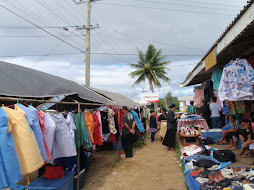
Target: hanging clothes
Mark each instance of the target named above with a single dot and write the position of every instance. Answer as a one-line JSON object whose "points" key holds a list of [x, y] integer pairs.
{"points": [[138, 122], [63, 144], [216, 77], [98, 113], [208, 91], [90, 124], [237, 81], [32, 118], [49, 133], [81, 134], [237, 107], [104, 120], [41, 117], [97, 135], [111, 121], [10, 172], [71, 125], [28, 151], [198, 96]]}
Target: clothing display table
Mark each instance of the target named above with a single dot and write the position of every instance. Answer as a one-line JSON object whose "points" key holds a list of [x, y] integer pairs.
{"points": [[201, 123]]}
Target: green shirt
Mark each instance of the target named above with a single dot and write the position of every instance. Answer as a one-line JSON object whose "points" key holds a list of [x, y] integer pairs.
{"points": [[190, 110], [81, 134]]}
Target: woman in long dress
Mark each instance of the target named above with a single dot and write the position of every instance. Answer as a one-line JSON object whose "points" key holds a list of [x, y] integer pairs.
{"points": [[162, 124], [170, 137]]}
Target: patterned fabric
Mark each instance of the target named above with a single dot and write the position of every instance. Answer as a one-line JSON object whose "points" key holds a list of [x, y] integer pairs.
{"points": [[138, 122], [225, 108], [237, 107], [237, 81], [97, 135], [111, 121], [189, 123]]}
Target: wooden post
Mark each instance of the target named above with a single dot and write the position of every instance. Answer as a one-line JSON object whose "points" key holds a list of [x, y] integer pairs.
{"points": [[78, 160], [28, 179]]}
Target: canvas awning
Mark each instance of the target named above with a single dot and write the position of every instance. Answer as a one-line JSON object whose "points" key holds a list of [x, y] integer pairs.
{"points": [[18, 81]]}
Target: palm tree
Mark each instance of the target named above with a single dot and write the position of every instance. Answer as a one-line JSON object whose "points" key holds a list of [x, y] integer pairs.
{"points": [[151, 66]]}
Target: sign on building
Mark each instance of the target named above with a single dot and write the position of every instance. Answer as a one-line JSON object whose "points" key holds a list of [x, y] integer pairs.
{"points": [[211, 59]]}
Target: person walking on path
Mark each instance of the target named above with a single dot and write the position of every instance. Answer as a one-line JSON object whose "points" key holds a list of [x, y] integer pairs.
{"points": [[162, 124], [191, 109], [215, 113], [205, 112], [170, 137], [128, 132], [153, 125]]}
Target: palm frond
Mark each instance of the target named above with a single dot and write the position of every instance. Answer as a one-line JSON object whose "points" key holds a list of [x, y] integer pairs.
{"points": [[137, 66], [140, 79], [155, 79], [137, 73]]}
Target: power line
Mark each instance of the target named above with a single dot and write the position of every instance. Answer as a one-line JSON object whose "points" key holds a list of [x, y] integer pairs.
{"points": [[153, 40], [33, 27], [184, 5], [94, 53], [35, 36], [32, 15], [207, 3], [166, 9], [40, 28]]}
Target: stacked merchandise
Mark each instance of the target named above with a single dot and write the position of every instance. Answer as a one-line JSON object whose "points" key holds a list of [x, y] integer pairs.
{"points": [[207, 168], [188, 130]]}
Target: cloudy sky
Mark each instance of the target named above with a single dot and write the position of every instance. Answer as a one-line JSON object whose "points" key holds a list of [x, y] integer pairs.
{"points": [[183, 29]]}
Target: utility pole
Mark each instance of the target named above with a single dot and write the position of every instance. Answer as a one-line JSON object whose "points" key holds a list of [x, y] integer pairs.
{"points": [[88, 28], [88, 32]]}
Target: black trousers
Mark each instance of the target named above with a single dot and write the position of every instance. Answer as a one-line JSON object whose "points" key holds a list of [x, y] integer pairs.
{"points": [[127, 141], [152, 136]]}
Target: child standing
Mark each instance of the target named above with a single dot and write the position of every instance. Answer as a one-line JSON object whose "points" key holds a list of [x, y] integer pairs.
{"points": [[153, 125]]}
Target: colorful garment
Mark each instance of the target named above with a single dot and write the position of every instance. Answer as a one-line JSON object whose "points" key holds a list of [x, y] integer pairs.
{"points": [[90, 124], [81, 134], [237, 107], [216, 77], [32, 118], [96, 135], [198, 96], [28, 151], [138, 122], [63, 144], [111, 121], [10, 172], [98, 113], [41, 117], [237, 81]]}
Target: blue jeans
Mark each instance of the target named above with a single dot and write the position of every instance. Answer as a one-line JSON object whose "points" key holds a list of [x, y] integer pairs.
{"points": [[216, 122]]}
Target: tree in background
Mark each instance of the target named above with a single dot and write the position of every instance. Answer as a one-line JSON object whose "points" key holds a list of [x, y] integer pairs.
{"points": [[168, 100], [150, 66]]}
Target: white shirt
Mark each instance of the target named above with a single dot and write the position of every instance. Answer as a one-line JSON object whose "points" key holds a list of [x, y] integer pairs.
{"points": [[50, 128], [237, 81], [215, 109], [63, 145], [71, 125]]}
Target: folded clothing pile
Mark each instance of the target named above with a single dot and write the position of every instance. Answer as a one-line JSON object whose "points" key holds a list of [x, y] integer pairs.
{"points": [[227, 177]]}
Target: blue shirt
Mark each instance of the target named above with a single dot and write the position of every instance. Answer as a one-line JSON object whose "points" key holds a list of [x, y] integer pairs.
{"points": [[33, 120], [10, 172]]}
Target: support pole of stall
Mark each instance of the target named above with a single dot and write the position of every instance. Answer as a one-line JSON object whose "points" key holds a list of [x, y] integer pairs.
{"points": [[27, 179], [78, 160]]}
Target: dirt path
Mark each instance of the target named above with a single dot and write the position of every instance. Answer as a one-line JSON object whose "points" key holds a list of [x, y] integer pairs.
{"points": [[152, 167]]}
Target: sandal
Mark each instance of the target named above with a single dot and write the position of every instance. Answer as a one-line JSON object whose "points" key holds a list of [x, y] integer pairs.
{"points": [[252, 163], [234, 148], [220, 143], [246, 156], [229, 146]]}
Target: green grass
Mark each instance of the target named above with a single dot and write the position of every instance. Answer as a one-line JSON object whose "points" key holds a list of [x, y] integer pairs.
{"points": [[178, 152]]}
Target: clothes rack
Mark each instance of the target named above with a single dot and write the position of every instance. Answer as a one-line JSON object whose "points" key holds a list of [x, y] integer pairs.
{"points": [[11, 99]]}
